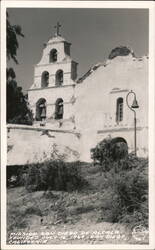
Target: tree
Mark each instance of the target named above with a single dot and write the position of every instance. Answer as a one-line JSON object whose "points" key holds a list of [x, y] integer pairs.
{"points": [[12, 43], [17, 104], [17, 108]]}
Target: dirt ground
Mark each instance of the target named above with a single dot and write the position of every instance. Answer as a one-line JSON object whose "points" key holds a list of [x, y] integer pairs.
{"points": [[62, 218]]}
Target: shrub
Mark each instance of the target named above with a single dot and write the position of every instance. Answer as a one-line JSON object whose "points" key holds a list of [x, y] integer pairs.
{"points": [[53, 175], [14, 175], [120, 51], [107, 152], [125, 196]]}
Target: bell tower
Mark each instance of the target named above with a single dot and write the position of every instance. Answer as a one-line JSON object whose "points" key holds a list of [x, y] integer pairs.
{"points": [[54, 78]]}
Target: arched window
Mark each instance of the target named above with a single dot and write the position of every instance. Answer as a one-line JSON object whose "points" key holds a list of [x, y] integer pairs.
{"points": [[59, 110], [53, 55], [119, 110], [44, 79], [59, 77], [41, 109]]}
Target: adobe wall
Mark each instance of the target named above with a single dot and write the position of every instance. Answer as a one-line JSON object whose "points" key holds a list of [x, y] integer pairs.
{"points": [[28, 144], [95, 109], [96, 98], [97, 94], [91, 138]]}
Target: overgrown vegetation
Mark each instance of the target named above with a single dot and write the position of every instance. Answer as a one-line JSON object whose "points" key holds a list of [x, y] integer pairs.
{"points": [[57, 192], [108, 151], [126, 183], [121, 51], [49, 175]]}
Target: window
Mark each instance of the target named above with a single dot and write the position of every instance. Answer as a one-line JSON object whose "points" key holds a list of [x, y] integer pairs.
{"points": [[53, 55], [119, 110], [44, 79], [59, 109], [59, 77]]}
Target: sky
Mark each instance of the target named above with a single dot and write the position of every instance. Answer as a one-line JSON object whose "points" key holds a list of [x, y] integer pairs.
{"points": [[92, 32]]}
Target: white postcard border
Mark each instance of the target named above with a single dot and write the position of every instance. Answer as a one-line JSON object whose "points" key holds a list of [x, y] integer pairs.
{"points": [[80, 4]]}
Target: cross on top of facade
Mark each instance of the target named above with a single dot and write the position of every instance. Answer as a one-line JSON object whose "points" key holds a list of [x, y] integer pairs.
{"points": [[57, 27]]}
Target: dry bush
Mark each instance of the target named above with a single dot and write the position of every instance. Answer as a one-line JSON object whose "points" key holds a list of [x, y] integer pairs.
{"points": [[53, 175], [125, 184]]}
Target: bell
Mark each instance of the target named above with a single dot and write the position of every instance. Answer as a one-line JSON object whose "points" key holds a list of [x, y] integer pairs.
{"points": [[43, 113], [135, 104], [42, 105]]}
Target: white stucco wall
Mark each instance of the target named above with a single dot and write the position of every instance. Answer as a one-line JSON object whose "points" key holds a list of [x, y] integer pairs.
{"points": [[57, 43], [95, 97], [51, 95], [52, 69], [52, 92], [32, 145]]}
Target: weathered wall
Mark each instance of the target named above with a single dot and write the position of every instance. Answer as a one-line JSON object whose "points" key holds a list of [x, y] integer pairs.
{"points": [[28, 144], [96, 98], [51, 95], [31, 144], [52, 92]]}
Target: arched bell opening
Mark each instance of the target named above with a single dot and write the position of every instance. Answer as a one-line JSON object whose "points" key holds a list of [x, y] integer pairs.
{"points": [[59, 109], [41, 109], [59, 78], [53, 55], [44, 79]]}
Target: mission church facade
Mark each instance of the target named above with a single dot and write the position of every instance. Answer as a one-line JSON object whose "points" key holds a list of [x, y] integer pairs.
{"points": [[94, 105]]}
